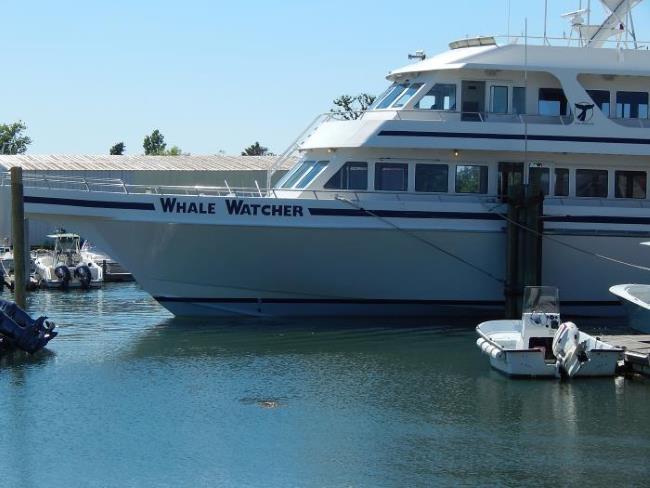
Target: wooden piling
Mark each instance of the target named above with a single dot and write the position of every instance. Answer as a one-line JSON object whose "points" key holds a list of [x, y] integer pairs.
{"points": [[523, 242], [18, 236]]}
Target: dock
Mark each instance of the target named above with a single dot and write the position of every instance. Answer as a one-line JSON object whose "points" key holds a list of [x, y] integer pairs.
{"points": [[637, 351]]}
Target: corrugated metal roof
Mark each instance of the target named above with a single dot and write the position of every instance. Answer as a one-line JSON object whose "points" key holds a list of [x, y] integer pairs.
{"points": [[86, 162]]}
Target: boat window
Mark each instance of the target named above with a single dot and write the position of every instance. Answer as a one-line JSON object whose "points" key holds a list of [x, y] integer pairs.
{"points": [[499, 99], [630, 184], [552, 102], [631, 105], [381, 97], [561, 182], [471, 178], [311, 175], [391, 176], [544, 177], [295, 174], [591, 183], [601, 99], [392, 95], [440, 97], [519, 100], [407, 95], [431, 177], [351, 176]]}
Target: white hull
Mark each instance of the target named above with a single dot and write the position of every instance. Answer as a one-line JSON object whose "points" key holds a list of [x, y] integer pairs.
{"points": [[223, 264], [636, 302]]}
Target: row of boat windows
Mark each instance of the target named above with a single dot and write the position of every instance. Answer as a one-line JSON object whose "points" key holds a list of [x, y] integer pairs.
{"points": [[505, 99], [468, 178]]}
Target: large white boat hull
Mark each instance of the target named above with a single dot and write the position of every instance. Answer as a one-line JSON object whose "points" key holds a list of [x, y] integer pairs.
{"points": [[201, 256]]}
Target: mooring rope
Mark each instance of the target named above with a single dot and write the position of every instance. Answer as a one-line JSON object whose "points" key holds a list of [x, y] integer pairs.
{"points": [[565, 244], [422, 240]]}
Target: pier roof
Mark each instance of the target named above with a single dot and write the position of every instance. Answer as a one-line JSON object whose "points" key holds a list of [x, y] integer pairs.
{"points": [[87, 162]]}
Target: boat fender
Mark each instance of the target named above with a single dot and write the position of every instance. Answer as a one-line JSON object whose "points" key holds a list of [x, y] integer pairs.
{"points": [[479, 342], [62, 272], [82, 273]]}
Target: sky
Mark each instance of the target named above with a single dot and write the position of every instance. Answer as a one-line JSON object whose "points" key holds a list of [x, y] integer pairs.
{"points": [[216, 75]]}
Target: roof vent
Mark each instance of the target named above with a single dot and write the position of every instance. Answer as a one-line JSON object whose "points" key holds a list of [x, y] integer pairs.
{"points": [[473, 42]]}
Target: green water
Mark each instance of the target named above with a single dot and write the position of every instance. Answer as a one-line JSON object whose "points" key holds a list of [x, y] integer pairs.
{"points": [[129, 396]]}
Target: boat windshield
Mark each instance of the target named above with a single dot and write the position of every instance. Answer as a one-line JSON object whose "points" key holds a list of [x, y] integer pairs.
{"points": [[67, 244], [541, 299]]}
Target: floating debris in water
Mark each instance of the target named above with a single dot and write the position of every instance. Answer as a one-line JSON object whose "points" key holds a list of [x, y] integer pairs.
{"points": [[261, 402]]}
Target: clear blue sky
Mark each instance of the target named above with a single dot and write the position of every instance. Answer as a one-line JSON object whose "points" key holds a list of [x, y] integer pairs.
{"points": [[215, 75]]}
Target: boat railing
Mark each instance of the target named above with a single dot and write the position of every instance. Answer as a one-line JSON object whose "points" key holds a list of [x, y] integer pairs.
{"points": [[115, 185], [629, 43]]}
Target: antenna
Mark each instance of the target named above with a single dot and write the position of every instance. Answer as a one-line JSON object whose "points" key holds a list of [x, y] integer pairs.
{"points": [[545, 20]]}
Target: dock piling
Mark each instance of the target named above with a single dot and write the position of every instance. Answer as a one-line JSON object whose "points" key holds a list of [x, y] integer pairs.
{"points": [[18, 236]]}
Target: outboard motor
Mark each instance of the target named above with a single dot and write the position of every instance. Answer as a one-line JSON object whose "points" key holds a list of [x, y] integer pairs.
{"points": [[22, 331], [62, 272], [83, 274]]}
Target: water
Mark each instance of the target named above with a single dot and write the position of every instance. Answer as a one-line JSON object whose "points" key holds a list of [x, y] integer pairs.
{"points": [[129, 396]]}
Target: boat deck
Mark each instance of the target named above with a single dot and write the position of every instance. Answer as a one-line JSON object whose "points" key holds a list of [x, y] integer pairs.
{"points": [[637, 351]]}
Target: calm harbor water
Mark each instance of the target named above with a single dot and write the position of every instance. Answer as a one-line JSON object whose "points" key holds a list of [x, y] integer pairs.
{"points": [[127, 395]]}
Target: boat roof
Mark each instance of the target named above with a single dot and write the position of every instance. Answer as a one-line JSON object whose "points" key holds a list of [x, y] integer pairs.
{"points": [[630, 62]]}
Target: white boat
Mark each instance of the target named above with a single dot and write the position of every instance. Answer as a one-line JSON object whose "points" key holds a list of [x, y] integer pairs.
{"points": [[7, 269], [401, 211], [64, 267], [635, 298], [112, 270], [540, 345]]}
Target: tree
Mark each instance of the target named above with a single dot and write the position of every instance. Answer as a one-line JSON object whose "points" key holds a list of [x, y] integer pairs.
{"points": [[12, 138], [154, 145], [351, 108], [256, 150], [117, 149], [174, 151]]}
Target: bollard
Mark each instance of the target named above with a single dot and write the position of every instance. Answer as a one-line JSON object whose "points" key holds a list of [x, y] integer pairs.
{"points": [[18, 236]]}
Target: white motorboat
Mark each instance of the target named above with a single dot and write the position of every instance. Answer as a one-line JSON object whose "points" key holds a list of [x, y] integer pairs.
{"points": [[7, 268], [112, 270], [65, 267], [635, 298], [540, 345], [401, 210]]}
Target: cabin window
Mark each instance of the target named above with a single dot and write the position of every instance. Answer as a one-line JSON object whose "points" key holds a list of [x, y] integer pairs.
{"points": [[311, 174], [407, 95], [391, 176], [631, 105], [304, 174], [630, 184], [591, 183], [440, 97], [519, 100], [552, 102], [471, 178], [295, 174], [561, 188], [544, 178], [392, 95], [431, 177], [601, 99], [499, 99], [352, 176]]}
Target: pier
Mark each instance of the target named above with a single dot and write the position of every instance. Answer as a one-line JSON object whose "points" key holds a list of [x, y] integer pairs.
{"points": [[637, 351]]}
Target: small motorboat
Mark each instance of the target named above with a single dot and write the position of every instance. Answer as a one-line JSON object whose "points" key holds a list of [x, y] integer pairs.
{"points": [[19, 331], [636, 301], [7, 270], [540, 345], [113, 271], [65, 267]]}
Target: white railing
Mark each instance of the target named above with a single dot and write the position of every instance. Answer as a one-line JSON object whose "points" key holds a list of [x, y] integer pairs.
{"points": [[628, 43]]}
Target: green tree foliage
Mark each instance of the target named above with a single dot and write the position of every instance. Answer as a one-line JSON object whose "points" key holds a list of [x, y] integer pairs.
{"points": [[13, 139], [154, 145], [348, 107], [117, 149], [256, 150], [174, 151]]}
